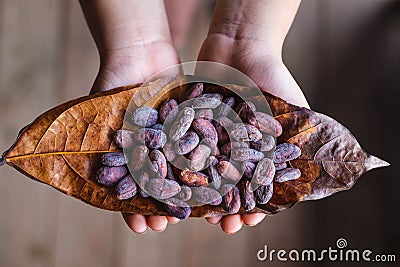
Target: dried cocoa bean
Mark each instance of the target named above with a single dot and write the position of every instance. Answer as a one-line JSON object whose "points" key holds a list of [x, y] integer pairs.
{"points": [[287, 174], [185, 194], [206, 114], [145, 116], [177, 208], [222, 158], [266, 123], [186, 143], [264, 193], [195, 90], [246, 111], [141, 182], [228, 171], [109, 176], [198, 157], [248, 169], [126, 188], [123, 138], [265, 144], [152, 138], [182, 123], [280, 166], [169, 109], [246, 154], [225, 108], [227, 148], [215, 177], [158, 163], [245, 132], [247, 196], [231, 200], [264, 172], [205, 129], [221, 125], [193, 178], [113, 159], [213, 146], [286, 152], [169, 152], [160, 188], [138, 157], [170, 173], [207, 101], [207, 195]]}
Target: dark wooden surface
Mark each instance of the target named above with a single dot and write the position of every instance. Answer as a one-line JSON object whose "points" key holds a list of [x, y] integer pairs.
{"points": [[47, 57]]}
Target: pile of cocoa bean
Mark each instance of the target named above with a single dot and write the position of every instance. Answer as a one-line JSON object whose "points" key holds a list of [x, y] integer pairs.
{"points": [[205, 150]]}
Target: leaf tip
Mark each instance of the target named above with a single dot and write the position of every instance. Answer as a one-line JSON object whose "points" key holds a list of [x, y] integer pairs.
{"points": [[375, 162]]}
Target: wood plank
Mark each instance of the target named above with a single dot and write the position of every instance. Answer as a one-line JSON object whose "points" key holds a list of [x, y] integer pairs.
{"points": [[27, 70]]}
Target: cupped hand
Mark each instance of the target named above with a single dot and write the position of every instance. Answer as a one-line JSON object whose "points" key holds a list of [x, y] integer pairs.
{"points": [[265, 67]]}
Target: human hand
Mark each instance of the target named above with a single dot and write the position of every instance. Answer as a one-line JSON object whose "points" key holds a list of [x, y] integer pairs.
{"points": [[242, 37]]}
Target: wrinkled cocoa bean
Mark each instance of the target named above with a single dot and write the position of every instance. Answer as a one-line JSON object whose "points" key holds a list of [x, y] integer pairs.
{"points": [[138, 157], [109, 176], [228, 171], [177, 208], [265, 144], [185, 194], [195, 90], [198, 157], [145, 116], [287, 174], [152, 138], [231, 200], [248, 169], [206, 114], [169, 109], [215, 177], [246, 154], [226, 107], [247, 196], [266, 123], [123, 138], [169, 152], [160, 188], [193, 178], [264, 193], [227, 148], [186, 143], [126, 188], [113, 159], [158, 163], [245, 132], [221, 125], [182, 123], [207, 101], [286, 152], [205, 129], [264, 172], [207, 195], [280, 166]]}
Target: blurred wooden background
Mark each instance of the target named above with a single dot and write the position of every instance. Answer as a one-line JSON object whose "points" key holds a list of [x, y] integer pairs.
{"points": [[344, 54]]}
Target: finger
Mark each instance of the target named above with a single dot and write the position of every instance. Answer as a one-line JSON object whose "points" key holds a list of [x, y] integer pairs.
{"points": [[172, 220], [136, 222], [231, 224], [253, 219], [214, 220], [157, 223]]}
